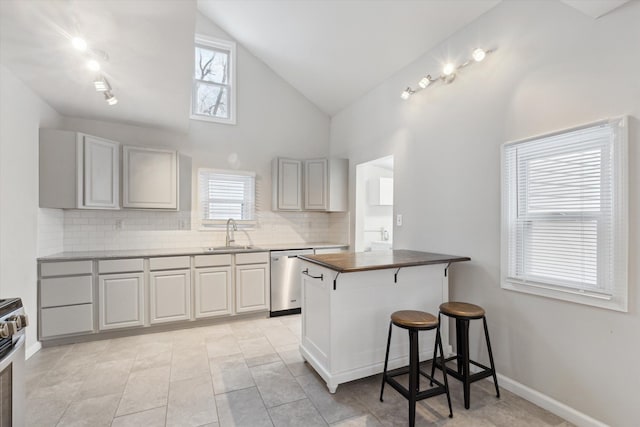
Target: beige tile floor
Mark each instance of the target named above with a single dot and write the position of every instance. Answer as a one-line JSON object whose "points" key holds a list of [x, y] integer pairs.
{"points": [[241, 373]]}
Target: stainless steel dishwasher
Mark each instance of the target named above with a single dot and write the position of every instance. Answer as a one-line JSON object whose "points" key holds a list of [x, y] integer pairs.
{"points": [[286, 282]]}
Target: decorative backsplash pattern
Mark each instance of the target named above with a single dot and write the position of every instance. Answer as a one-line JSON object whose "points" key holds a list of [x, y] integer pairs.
{"points": [[97, 230]]}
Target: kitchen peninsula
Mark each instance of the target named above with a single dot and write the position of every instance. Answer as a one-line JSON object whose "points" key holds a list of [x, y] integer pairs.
{"points": [[347, 299]]}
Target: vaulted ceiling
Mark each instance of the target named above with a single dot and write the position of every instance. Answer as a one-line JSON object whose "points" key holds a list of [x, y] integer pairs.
{"points": [[149, 44], [335, 51], [332, 52]]}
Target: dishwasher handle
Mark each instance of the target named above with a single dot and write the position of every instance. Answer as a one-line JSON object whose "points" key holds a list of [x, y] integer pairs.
{"points": [[306, 272]]}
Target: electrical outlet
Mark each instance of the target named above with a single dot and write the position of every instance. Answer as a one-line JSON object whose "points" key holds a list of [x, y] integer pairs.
{"points": [[399, 220], [119, 223]]}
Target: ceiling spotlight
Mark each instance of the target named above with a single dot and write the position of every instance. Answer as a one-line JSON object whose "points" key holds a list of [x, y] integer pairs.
{"points": [[424, 82], [101, 84], [448, 69], [478, 54], [448, 74], [79, 43], [406, 93], [111, 100], [93, 65]]}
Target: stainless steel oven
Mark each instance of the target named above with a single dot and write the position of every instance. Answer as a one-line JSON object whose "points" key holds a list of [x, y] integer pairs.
{"points": [[12, 364]]}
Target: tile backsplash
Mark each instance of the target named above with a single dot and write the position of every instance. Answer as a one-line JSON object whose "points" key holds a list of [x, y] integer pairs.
{"points": [[96, 230]]}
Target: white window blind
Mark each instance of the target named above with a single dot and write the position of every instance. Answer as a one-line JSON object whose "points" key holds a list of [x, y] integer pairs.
{"points": [[564, 211], [225, 195]]}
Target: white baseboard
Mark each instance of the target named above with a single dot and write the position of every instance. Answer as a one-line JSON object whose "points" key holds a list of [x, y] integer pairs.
{"points": [[548, 403], [32, 349]]}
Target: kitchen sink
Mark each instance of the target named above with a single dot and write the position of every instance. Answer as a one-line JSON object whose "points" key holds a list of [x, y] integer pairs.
{"points": [[232, 248]]}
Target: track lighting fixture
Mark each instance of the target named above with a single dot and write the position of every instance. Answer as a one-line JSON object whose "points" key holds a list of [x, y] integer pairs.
{"points": [[93, 57], [101, 84], [111, 100], [449, 72]]}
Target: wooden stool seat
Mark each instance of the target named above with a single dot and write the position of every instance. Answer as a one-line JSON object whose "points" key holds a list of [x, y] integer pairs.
{"points": [[461, 309], [414, 319]]}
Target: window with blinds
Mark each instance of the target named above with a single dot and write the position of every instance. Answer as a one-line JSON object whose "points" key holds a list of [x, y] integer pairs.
{"points": [[564, 215], [226, 194]]}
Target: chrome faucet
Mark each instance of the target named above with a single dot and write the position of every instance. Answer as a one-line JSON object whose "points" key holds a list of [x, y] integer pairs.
{"points": [[230, 238]]}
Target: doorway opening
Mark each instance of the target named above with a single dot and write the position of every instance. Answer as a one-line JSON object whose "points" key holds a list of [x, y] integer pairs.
{"points": [[374, 205]]}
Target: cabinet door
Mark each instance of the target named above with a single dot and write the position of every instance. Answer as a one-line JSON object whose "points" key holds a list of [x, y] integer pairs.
{"points": [[170, 294], [315, 184], [289, 184], [252, 287], [121, 300], [213, 291], [99, 174], [149, 178]]}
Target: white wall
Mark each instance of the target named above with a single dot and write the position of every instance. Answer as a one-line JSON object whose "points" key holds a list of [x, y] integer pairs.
{"points": [[554, 68], [21, 114], [273, 119]]}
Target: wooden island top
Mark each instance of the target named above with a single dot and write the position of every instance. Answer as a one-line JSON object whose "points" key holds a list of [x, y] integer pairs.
{"points": [[349, 262]]}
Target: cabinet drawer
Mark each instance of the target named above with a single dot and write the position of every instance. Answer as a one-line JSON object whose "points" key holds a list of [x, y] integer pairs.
{"points": [[66, 268], [65, 291], [252, 258], [66, 320], [169, 263], [212, 260], [120, 265]]}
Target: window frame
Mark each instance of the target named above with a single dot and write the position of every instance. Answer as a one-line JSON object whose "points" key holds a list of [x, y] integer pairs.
{"points": [[618, 298], [220, 224], [216, 44]]}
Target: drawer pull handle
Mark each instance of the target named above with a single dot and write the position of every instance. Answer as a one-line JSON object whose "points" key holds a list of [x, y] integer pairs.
{"points": [[306, 271]]}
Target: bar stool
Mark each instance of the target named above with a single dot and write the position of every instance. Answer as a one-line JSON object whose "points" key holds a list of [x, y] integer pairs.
{"points": [[464, 312], [415, 321]]}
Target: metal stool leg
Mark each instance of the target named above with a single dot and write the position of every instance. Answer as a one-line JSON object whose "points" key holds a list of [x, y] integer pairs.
{"points": [[444, 369], [464, 352], [493, 367], [435, 353], [413, 375], [386, 362]]}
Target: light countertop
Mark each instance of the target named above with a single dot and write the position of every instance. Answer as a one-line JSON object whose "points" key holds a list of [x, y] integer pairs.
{"points": [[138, 253]]}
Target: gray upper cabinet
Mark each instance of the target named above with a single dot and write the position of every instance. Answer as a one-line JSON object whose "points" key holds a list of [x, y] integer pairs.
{"points": [[315, 184], [287, 184], [312, 185], [149, 178], [101, 165], [78, 171], [338, 185]]}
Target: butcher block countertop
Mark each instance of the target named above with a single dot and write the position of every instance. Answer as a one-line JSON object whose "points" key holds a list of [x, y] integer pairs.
{"points": [[349, 262]]}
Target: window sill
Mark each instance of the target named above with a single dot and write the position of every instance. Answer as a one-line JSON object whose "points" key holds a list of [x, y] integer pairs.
{"points": [[616, 303], [222, 226], [230, 121]]}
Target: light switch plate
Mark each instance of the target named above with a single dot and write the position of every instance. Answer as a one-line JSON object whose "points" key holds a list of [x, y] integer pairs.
{"points": [[399, 220]]}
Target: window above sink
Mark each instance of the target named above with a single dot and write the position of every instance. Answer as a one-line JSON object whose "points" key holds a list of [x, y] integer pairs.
{"points": [[224, 195]]}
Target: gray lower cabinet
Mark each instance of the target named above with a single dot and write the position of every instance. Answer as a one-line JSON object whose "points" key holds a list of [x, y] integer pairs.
{"points": [[71, 320], [252, 282], [66, 299], [252, 287], [121, 297], [170, 296], [213, 292], [139, 292]]}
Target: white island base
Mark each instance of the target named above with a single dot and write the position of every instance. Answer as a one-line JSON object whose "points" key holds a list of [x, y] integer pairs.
{"points": [[344, 331]]}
